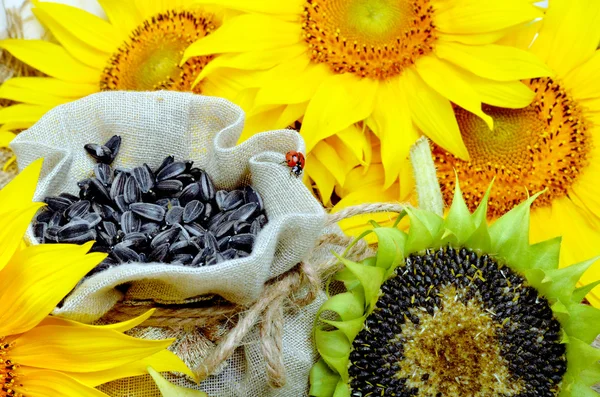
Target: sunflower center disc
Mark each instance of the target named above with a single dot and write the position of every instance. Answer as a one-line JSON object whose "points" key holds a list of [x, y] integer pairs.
{"points": [[452, 323], [370, 38], [149, 59], [543, 146], [7, 372]]}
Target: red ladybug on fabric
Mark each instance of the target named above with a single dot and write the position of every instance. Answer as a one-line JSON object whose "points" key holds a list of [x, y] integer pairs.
{"points": [[295, 160]]}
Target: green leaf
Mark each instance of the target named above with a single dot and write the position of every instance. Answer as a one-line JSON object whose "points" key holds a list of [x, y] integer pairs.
{"points": [[564, 281], [425, 230], [323, 380], [390, 247], [580, 357], [350, 328], [342, 390], [334, 348], [459, 219], [480, 214], [167, 389], [581, 292], [545, 254], [583, 322], [481, 239], [347, 305], [370, 278]]}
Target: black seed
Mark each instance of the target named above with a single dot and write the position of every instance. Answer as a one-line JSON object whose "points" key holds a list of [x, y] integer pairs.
{"points": [[44, 215], [174, 215], [169, 186], [130, 223], [71, 197], [192, 211], [125, 254], [159, 253], [189, 193], [103, 173], [149, 211], [207, 189], [110, 229], [195, 229], [229, 254], [220, 197], [93, 219], [184, 259], [252, 196], [233, 200], [56, 219], [242, 242], [132, 193], [150, 228], [166, 236], [78, 209], [168, 160], [225, 228], [98, 192], [39, 230], [118, 185], [244, 212], [99, 152], [79, 238], [58, 203], [51, 233], [171, 171], [144, 178], [114, 144], [136, 240]]}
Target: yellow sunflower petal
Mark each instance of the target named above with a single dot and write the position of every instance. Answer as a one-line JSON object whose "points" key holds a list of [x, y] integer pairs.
{"points": [[13, 225], [51, 59], [278, 88], [79, 49], [260, 122], [441, 76], [12, 91], [6, 137], [248, 32], [357, 179], [326, 154], [495, 62], [583, 81], [164, 360], [262, 6], [323, 179], [78, 349], [83, 25], [433, 114], [586, 186], [506, 94], [569, 34], [290, 114], [51, 383], [36, 279], [167, 389], [394, 127], [124, 15], [47, 86], [19, 192], [22, 115], [121, 327], [485, 16], [355, 140], [340, 101]]}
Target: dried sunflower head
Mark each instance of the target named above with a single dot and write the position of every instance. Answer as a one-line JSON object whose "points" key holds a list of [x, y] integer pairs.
{"points": [[457, 308]]}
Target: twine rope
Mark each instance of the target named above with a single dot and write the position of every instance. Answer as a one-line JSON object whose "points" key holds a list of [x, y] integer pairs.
{"points": [[294, 289]]}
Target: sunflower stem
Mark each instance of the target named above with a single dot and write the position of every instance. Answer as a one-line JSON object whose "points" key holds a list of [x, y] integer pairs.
{"points": [[428, 187]]}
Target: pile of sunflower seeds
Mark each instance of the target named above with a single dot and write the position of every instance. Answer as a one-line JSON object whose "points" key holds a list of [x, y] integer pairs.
{"points": [[171, 214]]}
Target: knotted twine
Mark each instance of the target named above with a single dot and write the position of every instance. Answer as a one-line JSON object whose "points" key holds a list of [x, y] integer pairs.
{"points": [[294, 289]]}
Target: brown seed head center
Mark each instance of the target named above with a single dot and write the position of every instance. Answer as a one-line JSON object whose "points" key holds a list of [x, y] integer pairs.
{"points": [[455, 352], [149, 59], [543, 146], [370, 38]]}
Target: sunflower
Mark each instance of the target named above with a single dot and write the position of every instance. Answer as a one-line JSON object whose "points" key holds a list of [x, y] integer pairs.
{"points": [[139, 48], [49, 356], [455, 308], [552, 144], [395, 65]]}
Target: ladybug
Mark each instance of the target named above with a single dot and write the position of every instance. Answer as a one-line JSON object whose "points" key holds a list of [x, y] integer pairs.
{"points": [[295, 160]]}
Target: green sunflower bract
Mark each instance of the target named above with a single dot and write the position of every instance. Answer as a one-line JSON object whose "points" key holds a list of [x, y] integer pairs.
{"points": [[454, 307]]}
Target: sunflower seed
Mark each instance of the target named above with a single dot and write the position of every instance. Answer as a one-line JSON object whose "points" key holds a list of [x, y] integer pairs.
{"points": [[220, 197], [252, 196], [208, 213], [58, 203], [192, 211], [195, 229], [210, 242], [132, 192], [52, 233], [125, 254], [179, 247], [196, 172], [197, 243], [171, 171], [169, 186], [229, 254], [242, 242], [233, 200], [103, 173], [130, 223], [150, 229], [184, 259], [149, 211], [44, 215], [166, 236], [223, 243], [241, 254], [56, 219], [144, 178], [214, 259], [174, 215], [73, 228], [80, 238], [100, 248], [121, 203], [159, 253], [244, 212], [167, 161], [198, 261], [241, 227], [71, 197], [224, 228], [98, 192], [110, 229], [39, 229], [99, 152], [255, 227], [78, 209], [186, 179], [136, 240], [114, 144], [207, 191], [93, 219], [189, 193], [118, 185], [262, 220], [215, 220]]}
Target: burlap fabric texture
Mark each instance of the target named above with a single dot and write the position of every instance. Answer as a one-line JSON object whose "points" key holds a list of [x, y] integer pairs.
{"points": [[203, 129]]}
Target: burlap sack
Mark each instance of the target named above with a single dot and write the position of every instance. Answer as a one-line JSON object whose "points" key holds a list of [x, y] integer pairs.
{"points": [[204, 129]]}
